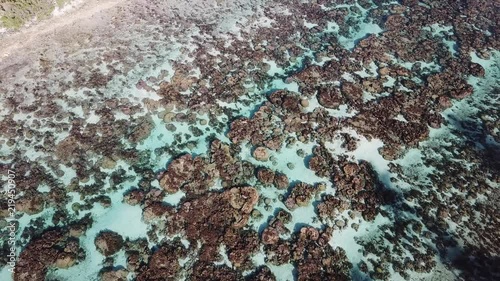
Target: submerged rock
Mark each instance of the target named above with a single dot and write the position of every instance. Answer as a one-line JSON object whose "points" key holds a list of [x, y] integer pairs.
{"points": [[114, 275], [266, 176], [261, 154], [142, 130], [270, 236], [54, 248], [108, 242]]}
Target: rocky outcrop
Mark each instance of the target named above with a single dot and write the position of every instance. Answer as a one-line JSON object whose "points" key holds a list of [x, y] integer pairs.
{"points": [[108, 243]]}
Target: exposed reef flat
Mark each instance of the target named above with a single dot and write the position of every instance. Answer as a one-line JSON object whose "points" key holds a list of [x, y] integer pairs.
{"points": [[259, 140]]}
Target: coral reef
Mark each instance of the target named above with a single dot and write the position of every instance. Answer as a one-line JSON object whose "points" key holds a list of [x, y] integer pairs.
{"points": [[258, 140]]}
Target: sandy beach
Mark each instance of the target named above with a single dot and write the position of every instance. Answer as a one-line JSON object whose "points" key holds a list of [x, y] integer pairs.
{"points": [[85, 15]]}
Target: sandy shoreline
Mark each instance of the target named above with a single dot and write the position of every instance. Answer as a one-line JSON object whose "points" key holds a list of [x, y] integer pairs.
{"points": [[98, 17], [42, 32]]}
